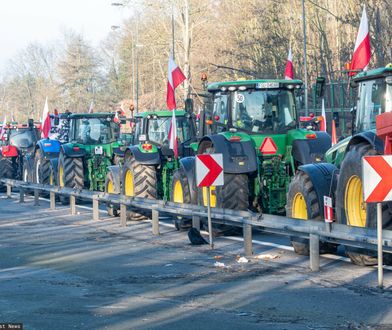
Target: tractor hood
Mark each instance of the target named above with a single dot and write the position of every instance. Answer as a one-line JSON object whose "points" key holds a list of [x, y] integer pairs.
{"points": [[335, 154]]}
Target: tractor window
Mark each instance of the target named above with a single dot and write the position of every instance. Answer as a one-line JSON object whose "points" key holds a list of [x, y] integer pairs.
{"points": [[388, 99], [370, 104], [94, 130], [263, 110], [220, 111], [22, 138], [158, 130]]}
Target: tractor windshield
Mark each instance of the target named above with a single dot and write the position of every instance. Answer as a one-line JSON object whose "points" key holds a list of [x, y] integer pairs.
{"points": [[158, 130], [22, 137], [94, 130], [261, 111], [375, 97]]}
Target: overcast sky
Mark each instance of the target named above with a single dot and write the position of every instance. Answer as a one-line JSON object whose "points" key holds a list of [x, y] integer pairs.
{"points": [[26, 21]]}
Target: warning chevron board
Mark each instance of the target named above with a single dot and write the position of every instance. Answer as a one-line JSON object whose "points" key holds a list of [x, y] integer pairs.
{"points": [[209, 170], [377, 178]]}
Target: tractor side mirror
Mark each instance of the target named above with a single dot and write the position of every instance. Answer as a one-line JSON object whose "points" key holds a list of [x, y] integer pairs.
{"points": [[30, 122], [320, 86], [56, 121]]}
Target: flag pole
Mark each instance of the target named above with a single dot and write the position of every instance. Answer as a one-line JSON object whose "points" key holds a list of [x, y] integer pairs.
{"points": [[172, 26], [305, 66]]}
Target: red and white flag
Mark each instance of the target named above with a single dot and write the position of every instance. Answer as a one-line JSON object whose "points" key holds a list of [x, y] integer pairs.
{"points": [[45, 124], [323, 124], [173, 143], [361, 56], [288, 72], [2, 132], [175, 77]]}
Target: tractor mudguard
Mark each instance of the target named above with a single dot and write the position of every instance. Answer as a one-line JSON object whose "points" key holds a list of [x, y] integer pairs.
{"points": [[48, 148], [70, 151], [369, 137], [188, 165], [238, 157], [145, 158], [117, 151], [9, 151], [116, 175], [311, 150], [324, 179]]}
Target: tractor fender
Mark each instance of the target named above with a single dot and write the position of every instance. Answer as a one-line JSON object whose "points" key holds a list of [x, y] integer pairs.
{"points": [[116, 175], [188, 165], [311, 150], [369, 137], [324, 179], [9, 151], [69, 151], [145, 158], [238, 157], [48, 148], [117, 151]]}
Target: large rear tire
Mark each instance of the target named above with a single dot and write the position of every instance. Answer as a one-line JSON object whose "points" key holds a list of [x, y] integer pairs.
{"points": [[41, 169], [181, 193], [350, 206], [139, 180], [302, 203], [70, 174], [7, 170]]}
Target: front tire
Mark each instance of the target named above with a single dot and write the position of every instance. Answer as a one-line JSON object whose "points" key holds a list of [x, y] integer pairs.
{"points": [[111, 188], [7, 170], [139, 180], [181, 193], [70, 174], [41, 169], [350, 206], [302, 203]]}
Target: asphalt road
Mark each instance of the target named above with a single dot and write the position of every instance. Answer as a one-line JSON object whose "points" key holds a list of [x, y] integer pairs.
{"points": [[59, 271]]}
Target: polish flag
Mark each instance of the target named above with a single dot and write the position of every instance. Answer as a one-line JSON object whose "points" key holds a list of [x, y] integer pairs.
{"points": [[361, 56], [288, 72], [45, 124], [175, 77], [2, 132], [323, 124]]}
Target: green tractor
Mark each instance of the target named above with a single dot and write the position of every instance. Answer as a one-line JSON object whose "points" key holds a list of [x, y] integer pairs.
{"points": [[150, 163], [254, 124], [93, 146], [341, 176]]}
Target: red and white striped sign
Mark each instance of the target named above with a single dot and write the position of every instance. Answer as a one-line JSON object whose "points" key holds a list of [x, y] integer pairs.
{"points": [[328, 211], [209, 170], [377, 183]]}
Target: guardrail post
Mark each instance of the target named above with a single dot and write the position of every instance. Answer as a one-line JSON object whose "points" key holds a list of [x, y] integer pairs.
{"points": [[247, 232], [155, 222], [9, 190], [196, 222], [95, 208], [36, 197], [314, 247], [72, 204], [21, 195], [123, 215], [52, 200]]}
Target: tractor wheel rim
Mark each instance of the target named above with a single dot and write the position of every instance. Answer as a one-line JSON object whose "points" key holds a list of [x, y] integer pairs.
{"points": [[61, 174], [37, 171], [353, 203], [212, 196], [298, 207], [129, 187], [110, 187], [178, 192]]}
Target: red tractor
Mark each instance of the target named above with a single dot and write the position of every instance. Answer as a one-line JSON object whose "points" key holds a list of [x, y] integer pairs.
{"points": [[17, 141]]}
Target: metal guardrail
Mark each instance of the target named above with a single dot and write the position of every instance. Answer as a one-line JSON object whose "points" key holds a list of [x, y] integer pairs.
{"points": [[364, 238]]}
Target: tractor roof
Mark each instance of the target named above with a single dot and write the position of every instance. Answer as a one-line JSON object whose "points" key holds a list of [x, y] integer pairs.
{"points": [[374, 73], [263, 83], [92, 115], [160, 113]]}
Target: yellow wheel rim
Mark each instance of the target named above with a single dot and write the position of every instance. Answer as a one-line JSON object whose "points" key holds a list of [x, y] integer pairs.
{"points": [[298, 207], [212, 196], [354, 204], [51, 178], [129, 189], [110, 187], [61, 173], [178, 193]]}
